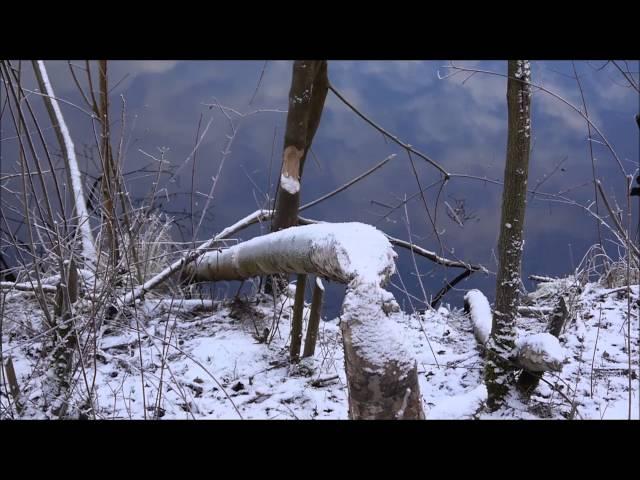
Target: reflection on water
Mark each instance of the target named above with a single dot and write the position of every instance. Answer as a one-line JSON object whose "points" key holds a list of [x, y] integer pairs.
{"points": [[234, 112]]}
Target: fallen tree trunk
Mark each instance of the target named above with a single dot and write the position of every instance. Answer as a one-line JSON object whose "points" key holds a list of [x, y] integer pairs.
{"points": [[381, 373], [262, 215]]}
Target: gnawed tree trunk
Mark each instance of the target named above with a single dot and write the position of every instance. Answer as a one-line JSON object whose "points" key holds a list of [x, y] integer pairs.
{"points": [[381, 373], [309, 85], [528, 381], [498, 370]]}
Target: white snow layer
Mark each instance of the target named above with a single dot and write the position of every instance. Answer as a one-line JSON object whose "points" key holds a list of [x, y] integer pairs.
{"points": [[378, 338], [460, 406], [364, 251], [540, 352], [290, 184], [341, 251], [480, 312]]}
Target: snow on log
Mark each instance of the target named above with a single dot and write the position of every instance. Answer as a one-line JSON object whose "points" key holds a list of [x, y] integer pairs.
{"points": [[383, 378], [338, 251], [541, 352], [480, 312]]}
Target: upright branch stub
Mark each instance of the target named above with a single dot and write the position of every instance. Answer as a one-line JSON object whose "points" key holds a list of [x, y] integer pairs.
{"points": [[308, 91]]}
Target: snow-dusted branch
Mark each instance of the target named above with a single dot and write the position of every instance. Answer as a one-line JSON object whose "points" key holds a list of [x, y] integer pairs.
{"points": [[616, 221], [250, 219], [393, 138], [423, 252], [457, 68], [69, 155], [27, 287]]}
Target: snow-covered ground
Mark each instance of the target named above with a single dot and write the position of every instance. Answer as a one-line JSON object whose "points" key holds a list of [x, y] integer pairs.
{"points": [[231, 361]]}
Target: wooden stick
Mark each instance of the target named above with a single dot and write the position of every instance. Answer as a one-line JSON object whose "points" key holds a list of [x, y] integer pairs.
{"points": [[314, 319], [296, 321]]}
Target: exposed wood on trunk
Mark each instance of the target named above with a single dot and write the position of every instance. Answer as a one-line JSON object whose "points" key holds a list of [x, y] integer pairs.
{"points": [[307, 94], [375, 396]]}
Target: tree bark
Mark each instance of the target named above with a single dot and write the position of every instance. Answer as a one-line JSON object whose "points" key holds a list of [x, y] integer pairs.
{"points": [[307, 94], [314, 319], [109, 180], [309, 85], [296, 319], [498, 370]]}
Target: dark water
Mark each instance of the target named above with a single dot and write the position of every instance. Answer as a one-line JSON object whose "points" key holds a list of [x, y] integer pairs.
{"points": [[460, 125]]}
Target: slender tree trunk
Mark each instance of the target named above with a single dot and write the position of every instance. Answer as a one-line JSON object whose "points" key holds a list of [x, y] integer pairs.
{"points": [[314, 319], [109, 181], [296, 319], [309, 85], [498, 370]]}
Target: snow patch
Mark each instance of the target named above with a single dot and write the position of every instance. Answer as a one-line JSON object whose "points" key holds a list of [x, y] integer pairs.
{"points": [[290, 184], [480, 313], [460, 406], [378, 338]]}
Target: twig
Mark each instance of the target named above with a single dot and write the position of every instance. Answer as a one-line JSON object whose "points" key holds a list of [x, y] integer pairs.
{"points": [[190, 257], [616, 221], [346, 185], [393, 138]]}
